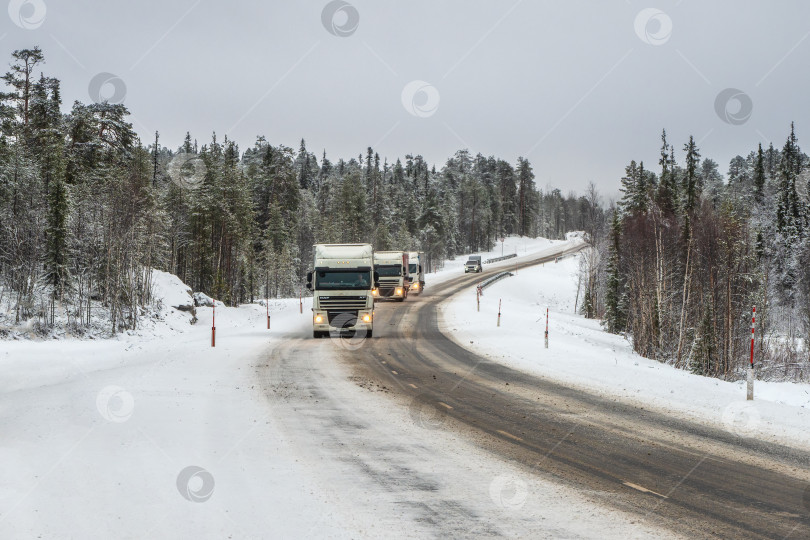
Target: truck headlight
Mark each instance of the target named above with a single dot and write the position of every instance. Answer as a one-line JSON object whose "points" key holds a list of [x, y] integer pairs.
{"points": [[399, 291], [367, 317], [374, 292], [318, 319], [416, 285]]}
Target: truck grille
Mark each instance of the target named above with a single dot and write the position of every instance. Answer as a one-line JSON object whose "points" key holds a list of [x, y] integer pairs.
{"points": [[342, 303], [342, 319], [387, 286]]}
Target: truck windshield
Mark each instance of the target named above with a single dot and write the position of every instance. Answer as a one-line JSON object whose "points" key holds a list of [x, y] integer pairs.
{"points": [[389, 271], [412, 268], [327, 280], [472, 262]]}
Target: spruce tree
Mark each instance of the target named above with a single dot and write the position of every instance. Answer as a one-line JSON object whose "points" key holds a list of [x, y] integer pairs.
{"points": [[789, 210], [759, 176], [667, 193], [691, 187], [615, 314]]}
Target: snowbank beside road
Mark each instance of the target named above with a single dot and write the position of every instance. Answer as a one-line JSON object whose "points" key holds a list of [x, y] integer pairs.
{"points": [[581, 354]]}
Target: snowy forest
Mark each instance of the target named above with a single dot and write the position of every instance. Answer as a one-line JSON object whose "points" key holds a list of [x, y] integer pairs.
{"points": [[87, 209], [684, 256]]}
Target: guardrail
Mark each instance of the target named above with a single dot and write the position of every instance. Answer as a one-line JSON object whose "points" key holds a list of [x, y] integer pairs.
{"points": [[499, 259], [489, 281]]}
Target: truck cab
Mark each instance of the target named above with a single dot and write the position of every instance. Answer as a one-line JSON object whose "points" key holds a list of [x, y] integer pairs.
{"points": [[416, 271], [392, 269], [342, 281]]}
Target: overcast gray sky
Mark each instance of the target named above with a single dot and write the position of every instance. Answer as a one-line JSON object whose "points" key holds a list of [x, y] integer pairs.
{"points": [[579, 88]]}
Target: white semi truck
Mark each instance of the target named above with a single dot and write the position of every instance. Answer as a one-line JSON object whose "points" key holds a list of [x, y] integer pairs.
{"points": [[416, 271], [392, 269], [342, 282]]}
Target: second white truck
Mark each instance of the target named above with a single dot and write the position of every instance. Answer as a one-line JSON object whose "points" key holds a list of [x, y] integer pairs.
{"points": [[392, 269]]}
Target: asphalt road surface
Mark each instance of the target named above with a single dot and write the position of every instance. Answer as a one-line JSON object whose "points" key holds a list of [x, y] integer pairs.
{"points": [[691, 479]]}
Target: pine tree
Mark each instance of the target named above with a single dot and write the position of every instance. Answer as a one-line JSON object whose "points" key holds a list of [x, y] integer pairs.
{"points": [[20, 79]]}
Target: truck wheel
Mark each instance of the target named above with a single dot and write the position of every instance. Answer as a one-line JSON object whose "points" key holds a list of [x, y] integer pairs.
{"points": [[316, 334], [370, 333]]}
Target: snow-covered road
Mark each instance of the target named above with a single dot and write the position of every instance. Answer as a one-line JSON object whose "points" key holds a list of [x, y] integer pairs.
{"points": [[158, 435]]}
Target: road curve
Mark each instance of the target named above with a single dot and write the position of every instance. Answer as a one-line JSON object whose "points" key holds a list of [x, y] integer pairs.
{"points": [[682, 476]]}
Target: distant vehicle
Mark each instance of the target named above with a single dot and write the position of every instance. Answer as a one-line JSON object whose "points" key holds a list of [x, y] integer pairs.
{"points": [[392, 269], [473, 264], [341, 282], [416, 271]]}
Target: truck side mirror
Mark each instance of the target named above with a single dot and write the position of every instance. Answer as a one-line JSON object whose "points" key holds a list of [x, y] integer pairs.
{"points": [[420, 268], [376, 276], [309, 277], [309, 285]]}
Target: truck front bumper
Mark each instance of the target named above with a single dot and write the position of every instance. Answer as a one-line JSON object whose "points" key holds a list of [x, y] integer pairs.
{"points": [[342, 322]]}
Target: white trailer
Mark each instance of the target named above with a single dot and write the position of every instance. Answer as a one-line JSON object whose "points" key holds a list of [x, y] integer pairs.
{"points": [[416, 271], [392, 269], [341, 282]]}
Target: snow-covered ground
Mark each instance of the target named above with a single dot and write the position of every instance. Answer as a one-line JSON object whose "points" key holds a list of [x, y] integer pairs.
{"points": [[98, 437], [581, 354], [155, 434]]}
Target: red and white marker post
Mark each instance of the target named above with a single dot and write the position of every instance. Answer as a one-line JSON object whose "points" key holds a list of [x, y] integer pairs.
{"points": [[478, 298], [751, 366], [301, 301], [214, 323], [546, 328], [267, 305], [499, 312]]}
